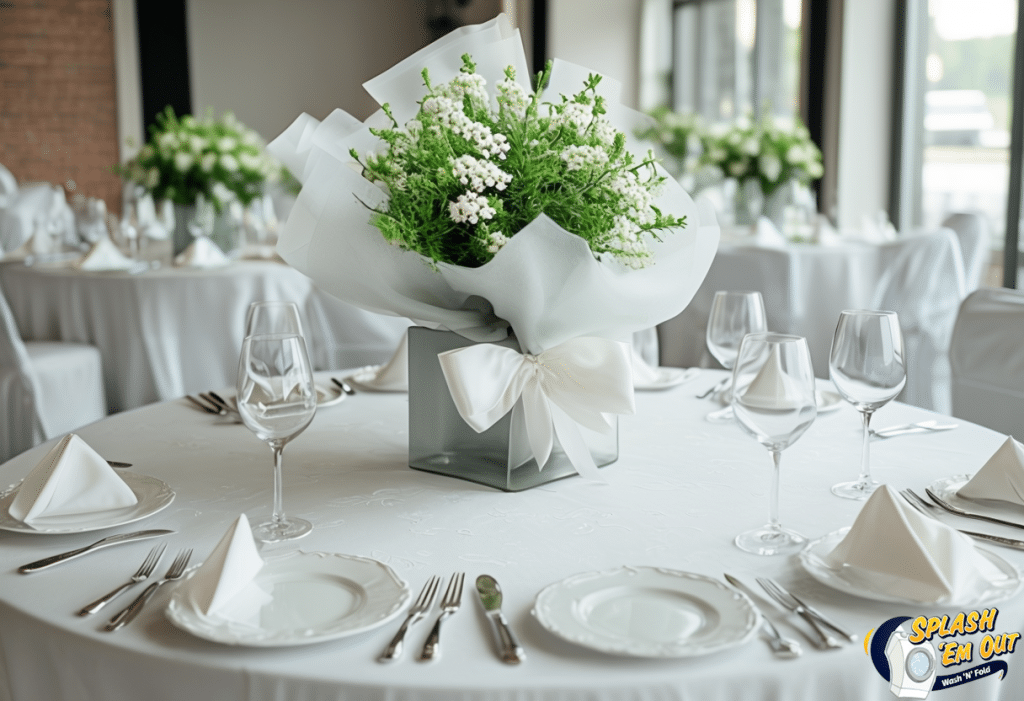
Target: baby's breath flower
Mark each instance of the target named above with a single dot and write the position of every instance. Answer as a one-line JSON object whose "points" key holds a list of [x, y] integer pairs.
{"points": [[580, 157]]}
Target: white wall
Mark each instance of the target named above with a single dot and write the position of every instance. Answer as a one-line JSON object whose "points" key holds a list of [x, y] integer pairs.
{"points": [[865, 110], [602, 35]]}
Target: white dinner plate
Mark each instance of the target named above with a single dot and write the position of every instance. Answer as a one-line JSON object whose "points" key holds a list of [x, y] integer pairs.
{"points": [[667, 377], [872, 585], [298, 599], [647, 612], [365, 378], [328, 395], [947, 487], [826, 399], [152, 495]]}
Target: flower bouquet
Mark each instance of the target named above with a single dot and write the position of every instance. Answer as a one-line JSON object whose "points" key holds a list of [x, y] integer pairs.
{"points": [[679, 135], [202, 166], [537, 230]]}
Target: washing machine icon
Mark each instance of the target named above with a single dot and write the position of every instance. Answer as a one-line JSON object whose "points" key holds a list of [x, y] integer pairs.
{"points": [[911, 667]]}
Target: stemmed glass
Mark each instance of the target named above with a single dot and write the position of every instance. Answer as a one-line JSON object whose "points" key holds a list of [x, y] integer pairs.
{"points": [[773, 398], [734, 314], [277, 401], [273, 317], [867, 367]]}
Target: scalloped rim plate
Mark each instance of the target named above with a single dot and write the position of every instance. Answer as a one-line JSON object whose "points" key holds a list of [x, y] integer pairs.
{"points": [[867, 585], [647, 612], [152, 494], [667, 377], [298, 599]]}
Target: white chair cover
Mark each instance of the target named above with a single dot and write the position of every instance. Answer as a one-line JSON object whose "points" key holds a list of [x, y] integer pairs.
{"points": [[8, 188], [46, 389], [975, 234], [922, 280], [987, 360], [32, 203]]}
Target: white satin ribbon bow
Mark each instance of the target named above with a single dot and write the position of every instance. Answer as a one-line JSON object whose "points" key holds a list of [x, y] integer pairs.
{"points": [[576, 382]]}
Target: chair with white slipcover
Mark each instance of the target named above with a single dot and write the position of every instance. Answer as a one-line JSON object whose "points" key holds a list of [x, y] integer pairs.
{"points": [[46, 388], [987, 360], [922, 280], [975, 235]]}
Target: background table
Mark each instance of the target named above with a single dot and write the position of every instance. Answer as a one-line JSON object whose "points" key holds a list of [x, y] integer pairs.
{"points": [[172, 331], [680, 491]]}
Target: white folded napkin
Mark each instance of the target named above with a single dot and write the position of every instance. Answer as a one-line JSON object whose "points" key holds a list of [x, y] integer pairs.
{"points": [[877, 228], [71, 479], [393, 376], [824, 233], [1001, 477], [228, 570], [772, 388], [917, 557], [767, 234], [202, 253], [104, 255], [648, 377]]}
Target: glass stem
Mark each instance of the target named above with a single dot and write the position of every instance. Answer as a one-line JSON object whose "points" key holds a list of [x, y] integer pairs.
{"points": [[278, 515], [773, 502], [865, 456]]}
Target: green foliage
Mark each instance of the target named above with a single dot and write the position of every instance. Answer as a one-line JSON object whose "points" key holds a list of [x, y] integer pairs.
{"points": [[464, 177]]}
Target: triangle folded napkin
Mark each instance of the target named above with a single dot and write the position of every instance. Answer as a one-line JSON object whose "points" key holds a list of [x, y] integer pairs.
{"points": [[649, 377], [1001, 477], [71, 479], [104, 255], [767, 234], [910, 555], [202, 253], [772, 388], [393, 376], [228, 570]]}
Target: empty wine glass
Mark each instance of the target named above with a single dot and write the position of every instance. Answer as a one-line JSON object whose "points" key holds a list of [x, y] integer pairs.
{"points": [[868, 368], [273, 317], [773, 398], [734, 314], [277, 401]]}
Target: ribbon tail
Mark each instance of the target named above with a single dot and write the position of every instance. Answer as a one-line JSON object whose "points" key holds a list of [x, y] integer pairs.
{"points": [[568, 432], [537, 414]]}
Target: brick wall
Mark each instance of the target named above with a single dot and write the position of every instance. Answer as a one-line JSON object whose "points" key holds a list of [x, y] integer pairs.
{"points": [[58, 103]]}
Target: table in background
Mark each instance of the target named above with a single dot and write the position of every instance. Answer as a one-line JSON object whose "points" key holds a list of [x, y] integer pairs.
{"points": [[680, 491], [172, 331]]}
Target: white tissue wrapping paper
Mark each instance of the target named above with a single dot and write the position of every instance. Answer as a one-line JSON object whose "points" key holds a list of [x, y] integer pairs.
{"points": [[1001, 477], [71, 479], [928, 561], [228, 570], [545, 283]]}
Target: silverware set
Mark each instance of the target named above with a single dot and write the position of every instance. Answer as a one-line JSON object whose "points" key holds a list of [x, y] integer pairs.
{"points": [[934, 509], [141, 574], [174, 572], [343, 386], [824, 629], [717, 387], [930, 426], [213, 403]]}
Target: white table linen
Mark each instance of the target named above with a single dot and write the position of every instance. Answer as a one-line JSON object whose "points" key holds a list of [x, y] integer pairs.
{"points": [[680, 491], [172, 331]]}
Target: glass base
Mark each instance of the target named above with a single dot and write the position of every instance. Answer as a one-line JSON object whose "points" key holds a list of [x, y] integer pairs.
{"points": [[286, 529], [770, 541], [858, 490], [721, 416]]}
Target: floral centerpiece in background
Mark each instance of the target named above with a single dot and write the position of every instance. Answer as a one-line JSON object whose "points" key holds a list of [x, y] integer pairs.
{"points": [[679, 135], [192, 162], [475, 204], [767, 154]]}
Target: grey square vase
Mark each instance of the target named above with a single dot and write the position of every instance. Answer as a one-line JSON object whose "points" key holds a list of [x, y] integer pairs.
{"points": [[441, 442]]}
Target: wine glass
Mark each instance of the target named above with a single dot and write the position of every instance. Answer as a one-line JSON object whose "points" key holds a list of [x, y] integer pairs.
{"points": [[773, 398], [277, 401], [734, 314], [273, 317], [867, 367]]}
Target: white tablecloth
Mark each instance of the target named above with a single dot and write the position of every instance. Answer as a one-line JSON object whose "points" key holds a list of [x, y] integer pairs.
{"points": [[680, 491], [173, 331]]}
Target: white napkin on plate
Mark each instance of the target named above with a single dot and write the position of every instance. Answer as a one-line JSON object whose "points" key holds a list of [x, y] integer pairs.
{"points": [[877, 228], [202, 253], [918, 557], [71, 479], [228, 570], [393, 376], [648, 377], [104, 255], [767, 234], [1001, 477], [772, 388]]}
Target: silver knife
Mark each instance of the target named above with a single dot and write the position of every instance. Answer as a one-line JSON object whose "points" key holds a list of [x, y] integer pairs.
{"points": [[106, 542], [490, 597], [783, 647]]}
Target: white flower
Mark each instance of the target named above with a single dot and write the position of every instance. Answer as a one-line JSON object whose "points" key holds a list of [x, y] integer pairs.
{"points": [[208, 162], [226, 144], [478, 174], [197, 143], [579, 157], [183, 161], [221, 193], [796, 154], [167, 141], [770, 166], [736, 168], [496, 241], [513, 97], [249, 162], [751, 147], [470, 207], [229, 163], [574, 115], [815, 169], [152, 178]]}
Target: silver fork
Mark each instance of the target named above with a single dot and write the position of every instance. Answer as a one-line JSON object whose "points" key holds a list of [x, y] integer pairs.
{"points": [[125, 616], [145, 569], [929, 509], [960, 512], [720, 385], [825, 638], [449, 605], [222, 408], [417, 611], [202, 405]]}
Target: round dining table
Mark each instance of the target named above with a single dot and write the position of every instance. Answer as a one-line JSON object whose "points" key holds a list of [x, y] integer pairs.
{"points": [[681, 490], [166, 332]]}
